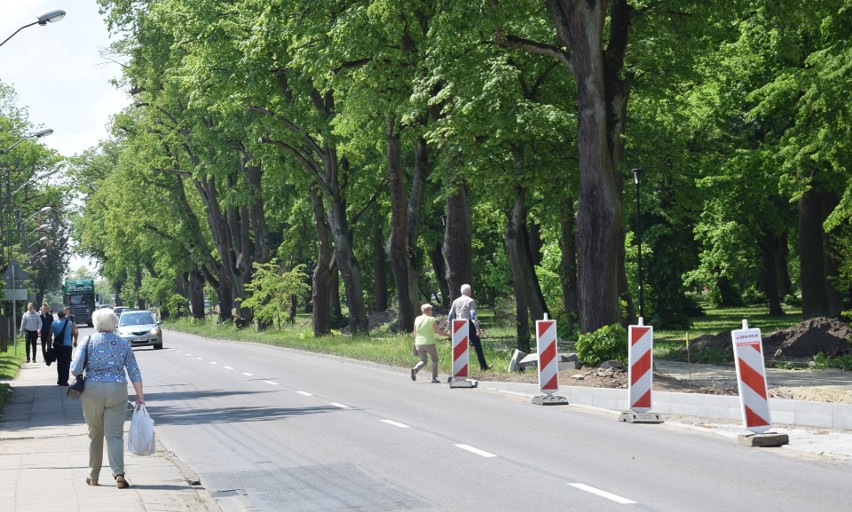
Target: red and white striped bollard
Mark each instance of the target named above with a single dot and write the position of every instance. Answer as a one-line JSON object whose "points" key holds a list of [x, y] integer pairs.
{"points": [[548, 363], [460, 330], [640, 374]]}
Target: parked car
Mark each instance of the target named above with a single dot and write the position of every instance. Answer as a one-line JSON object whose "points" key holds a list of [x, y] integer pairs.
{"points": [[140, 328], [118, 310]]}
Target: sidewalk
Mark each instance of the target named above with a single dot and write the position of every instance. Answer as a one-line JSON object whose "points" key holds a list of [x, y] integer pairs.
{"points": [[44, 452]]}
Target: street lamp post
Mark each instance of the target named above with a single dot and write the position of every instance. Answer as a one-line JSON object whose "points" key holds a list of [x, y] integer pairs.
{"points": [[35, 178], [43, 19], [37, 135], [636, 172]]}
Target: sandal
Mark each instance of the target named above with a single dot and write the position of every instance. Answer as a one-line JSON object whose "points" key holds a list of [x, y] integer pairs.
{"points": [[120, 482], [91, 482]]}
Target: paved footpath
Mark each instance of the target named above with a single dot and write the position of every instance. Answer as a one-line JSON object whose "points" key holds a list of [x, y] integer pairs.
{"points": [[44, 453]]}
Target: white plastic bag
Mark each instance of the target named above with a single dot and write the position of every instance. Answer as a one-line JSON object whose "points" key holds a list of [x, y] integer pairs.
{"points": [[141, 438]]}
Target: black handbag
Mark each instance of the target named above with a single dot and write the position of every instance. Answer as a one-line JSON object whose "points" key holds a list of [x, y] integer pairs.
{"points": [[76, 388], [49, 356]]}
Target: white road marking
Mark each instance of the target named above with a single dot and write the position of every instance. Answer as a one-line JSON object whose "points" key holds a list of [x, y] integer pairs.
{"points": [[602, 494], [270, 382], [477, 451], [304, 393], [200, 359], [395, 423], [248, 374], [188, 354], [227, 367], [340, 406], [213, 362]]}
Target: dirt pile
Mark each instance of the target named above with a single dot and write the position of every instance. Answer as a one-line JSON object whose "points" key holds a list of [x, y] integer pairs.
{"points": [[799, 342], [806, 339]]}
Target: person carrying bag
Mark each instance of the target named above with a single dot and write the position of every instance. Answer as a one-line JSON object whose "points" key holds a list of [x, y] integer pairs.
{"points": [[63, 330], [109, 363], [140, 440]]}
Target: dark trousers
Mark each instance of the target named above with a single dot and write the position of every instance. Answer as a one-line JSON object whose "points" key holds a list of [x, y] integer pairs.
{"points": [[31, 338], [477, 346], [63, 364]]}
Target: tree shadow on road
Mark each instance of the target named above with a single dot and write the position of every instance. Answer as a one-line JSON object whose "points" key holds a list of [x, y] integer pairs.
{"points": [[164, 413]]}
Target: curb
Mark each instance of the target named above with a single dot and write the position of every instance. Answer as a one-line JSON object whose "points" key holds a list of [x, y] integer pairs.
{"points": [[789, 412]]}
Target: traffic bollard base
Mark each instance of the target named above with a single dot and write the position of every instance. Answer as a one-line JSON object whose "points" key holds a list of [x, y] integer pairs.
{"points": [[462, 383], [640, 417], [764, 440], [549, 400]]}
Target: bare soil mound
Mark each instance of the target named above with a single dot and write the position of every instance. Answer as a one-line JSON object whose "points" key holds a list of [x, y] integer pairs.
{"points": [[802, 341], [806, 339]]}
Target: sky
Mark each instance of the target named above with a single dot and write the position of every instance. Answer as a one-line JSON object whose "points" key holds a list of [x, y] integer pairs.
{"points": [[58, 72]]}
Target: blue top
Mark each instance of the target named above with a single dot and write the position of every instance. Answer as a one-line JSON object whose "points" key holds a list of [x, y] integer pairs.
{"points": [[109, 356], [57, 326]]}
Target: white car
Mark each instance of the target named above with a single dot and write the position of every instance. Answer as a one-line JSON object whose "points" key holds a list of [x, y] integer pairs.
{"points": [[140, 328]]}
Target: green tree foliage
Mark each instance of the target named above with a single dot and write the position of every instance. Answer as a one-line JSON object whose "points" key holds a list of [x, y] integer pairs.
{"points": [[605, 344], [272, 289], [333, 134]]}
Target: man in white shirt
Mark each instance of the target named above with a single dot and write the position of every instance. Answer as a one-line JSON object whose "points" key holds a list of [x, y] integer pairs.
{"points": [[465, 308], [30, 327]]}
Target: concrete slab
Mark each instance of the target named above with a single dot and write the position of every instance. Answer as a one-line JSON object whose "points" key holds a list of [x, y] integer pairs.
{"points": [[764, 440], [640, 417], [549, 400]]}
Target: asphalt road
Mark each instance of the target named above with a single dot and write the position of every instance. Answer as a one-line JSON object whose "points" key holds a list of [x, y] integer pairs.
{"points": [[283, 430]]}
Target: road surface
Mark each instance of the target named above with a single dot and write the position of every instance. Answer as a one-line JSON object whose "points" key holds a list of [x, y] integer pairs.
{"points": [[273, 429]]}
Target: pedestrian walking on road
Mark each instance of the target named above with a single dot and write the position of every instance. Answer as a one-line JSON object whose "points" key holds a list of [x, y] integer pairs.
{"points": [[30, 327], [464, 308], [62, 347], [109, 361], [425, 329]]}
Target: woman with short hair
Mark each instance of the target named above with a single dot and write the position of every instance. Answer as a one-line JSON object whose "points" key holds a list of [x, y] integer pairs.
{"points": [[109, 360], [425, 328]]}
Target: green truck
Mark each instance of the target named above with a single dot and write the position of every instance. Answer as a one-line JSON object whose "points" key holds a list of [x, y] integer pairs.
{"points": [[79, 294]]}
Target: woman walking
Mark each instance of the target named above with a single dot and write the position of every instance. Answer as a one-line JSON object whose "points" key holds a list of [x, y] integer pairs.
{"points": [[425, 328], [106, 358]]}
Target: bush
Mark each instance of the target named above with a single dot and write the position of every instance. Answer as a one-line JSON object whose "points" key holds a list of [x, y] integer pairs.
{"points": [[606, 343]]}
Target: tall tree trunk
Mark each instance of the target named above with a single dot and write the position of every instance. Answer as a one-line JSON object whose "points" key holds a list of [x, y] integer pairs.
{"points": [[347, 264], [457, 239], [436, 256], [225, 244], [832, 258], [515, 252], [338, 321], [261, 251], [782, 277], [117, 285], [768, 276], [380, 285], [529, 300], [196, 292], [322, 278], [568, 263], [418, 190], [226, 302], [535, 297], [137, 288], [415, 210], [397, 247], [812, 255], [579, 25]]}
